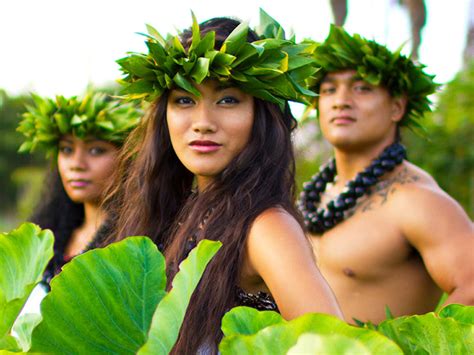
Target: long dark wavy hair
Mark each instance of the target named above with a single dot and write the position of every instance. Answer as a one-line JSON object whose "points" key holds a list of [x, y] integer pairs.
{"points": [[56, 211], [153, 195]]}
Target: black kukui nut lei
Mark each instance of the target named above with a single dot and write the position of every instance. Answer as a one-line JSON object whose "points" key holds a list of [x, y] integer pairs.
{"points": [[318, 220]]}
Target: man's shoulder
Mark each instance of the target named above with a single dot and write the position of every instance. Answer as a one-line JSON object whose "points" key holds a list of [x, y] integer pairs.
{"points": [[421, 202], [414, 186], [401, 186]]}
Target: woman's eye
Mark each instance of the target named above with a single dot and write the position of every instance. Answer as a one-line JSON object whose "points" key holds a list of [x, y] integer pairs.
{"points": [[228, 100], [97, 151], [65, 150], [184, 100]]}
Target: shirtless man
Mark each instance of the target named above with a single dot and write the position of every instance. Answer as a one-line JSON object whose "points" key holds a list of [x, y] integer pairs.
{"points": [[392, 237]]}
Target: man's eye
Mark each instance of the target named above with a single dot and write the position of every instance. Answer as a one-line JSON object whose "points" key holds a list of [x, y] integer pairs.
{"points": [[327, 90], [228, 100], [65, 150], [363, 88]]}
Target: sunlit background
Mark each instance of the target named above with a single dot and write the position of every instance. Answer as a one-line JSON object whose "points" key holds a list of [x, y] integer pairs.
{"points": [[59, 46]]}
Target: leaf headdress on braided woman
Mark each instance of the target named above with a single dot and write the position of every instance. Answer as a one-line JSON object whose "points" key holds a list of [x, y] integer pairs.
{"points": [[95, 115]]}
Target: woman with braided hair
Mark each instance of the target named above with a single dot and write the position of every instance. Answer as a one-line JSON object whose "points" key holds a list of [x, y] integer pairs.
{"points": [[83, 137]]}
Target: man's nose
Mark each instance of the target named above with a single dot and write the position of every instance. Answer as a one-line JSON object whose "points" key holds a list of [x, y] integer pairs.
{"points": [[342, 98], [204, 119]]}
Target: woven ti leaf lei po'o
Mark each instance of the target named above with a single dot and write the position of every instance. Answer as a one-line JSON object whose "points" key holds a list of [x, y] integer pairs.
{"points": [[273, 68], [95, 115], [377, 65]]}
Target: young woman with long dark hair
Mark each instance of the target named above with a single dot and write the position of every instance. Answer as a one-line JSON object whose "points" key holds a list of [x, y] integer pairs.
{"points": [[83, 137], [214, 160]]}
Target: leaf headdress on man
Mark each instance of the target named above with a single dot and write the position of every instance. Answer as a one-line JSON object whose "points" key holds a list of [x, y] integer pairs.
{"points": [[94, 115], [273, 68], [377, 65]]}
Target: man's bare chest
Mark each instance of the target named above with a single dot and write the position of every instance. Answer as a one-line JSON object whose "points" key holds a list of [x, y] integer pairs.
{"points": [[365, 246]]}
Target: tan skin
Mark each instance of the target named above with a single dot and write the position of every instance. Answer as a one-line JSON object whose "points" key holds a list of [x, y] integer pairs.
{"points": [[207, 132], [404, 243], [85, 167]]}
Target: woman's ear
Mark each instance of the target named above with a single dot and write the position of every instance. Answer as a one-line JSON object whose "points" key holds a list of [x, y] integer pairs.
{"points": [[399, 104]]}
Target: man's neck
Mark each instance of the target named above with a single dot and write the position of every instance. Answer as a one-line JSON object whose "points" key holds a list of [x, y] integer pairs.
{"points": [[351, 162]]}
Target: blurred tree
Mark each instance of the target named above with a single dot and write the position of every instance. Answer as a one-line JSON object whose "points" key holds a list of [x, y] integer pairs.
{"points": [[469, 49], [339, 11], [10, 110], [448, 153], [416, 12]]}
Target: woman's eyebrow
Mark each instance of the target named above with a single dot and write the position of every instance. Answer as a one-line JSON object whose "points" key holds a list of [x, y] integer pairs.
{"points": [[223, 86]]}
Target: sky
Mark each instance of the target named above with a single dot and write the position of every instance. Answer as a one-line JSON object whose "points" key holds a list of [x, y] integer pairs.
{"points": [[60, 46]]}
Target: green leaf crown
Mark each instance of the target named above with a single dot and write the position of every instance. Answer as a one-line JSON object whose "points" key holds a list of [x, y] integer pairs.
{"points": [[377, 65], [273, 68], [95, 115]]}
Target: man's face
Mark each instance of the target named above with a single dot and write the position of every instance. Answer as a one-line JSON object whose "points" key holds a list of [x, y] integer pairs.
{"points": [[356, 115]]}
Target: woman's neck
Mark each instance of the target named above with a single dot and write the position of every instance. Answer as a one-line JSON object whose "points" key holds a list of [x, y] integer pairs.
{"points": [[94, 216]]}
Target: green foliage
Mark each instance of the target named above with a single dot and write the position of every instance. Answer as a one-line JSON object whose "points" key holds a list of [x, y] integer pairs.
{"points": [[430, 334], [105, 299], [24, 254], [113, 300], [458, 312], [170, 312], [448, 155], [248, 331], [273, 68], [377, 65], [10, 111], [247, 321], [23, 327], [328, 344], [93, 115], [29, 181], [280, 337]]}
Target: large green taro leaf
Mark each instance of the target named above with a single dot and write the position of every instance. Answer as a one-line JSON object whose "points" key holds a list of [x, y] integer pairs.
{"points": [[279, 338], [248, 321], [429, 334], [315, 344], [461, 313], [103, 300], [24, 254], [23, 328], [170, 312]]}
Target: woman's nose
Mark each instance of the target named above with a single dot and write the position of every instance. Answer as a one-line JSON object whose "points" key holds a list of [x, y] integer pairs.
{"points": [[204, 120], [79, 160]]}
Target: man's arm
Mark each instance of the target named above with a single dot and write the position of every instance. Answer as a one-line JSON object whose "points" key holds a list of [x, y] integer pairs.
{"points": [[441, 231]]}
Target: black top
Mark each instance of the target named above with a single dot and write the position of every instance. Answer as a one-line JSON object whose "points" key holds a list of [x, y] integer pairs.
{"points": [[261, 301]]}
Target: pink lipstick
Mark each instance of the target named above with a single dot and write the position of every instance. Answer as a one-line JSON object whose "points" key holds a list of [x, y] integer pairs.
{"points": [[78, 184], [204, 146]]}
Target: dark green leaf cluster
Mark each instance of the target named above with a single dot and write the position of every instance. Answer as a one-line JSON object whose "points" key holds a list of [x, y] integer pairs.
{"points": [[273, 68], [94, 115], [377, 65]]}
